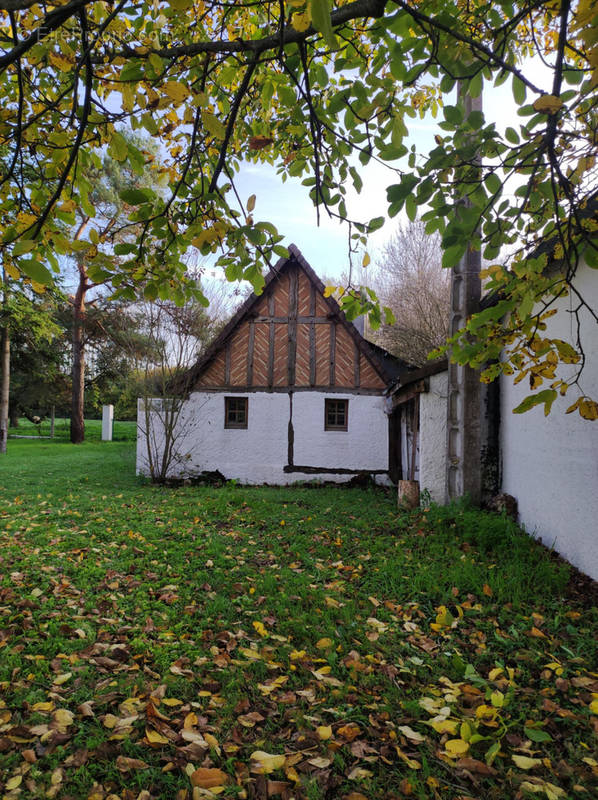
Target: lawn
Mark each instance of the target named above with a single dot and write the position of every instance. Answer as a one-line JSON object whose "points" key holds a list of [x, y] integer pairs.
{"points": [[282, 643]]}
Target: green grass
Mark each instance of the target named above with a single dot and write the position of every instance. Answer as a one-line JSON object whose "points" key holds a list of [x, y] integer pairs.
{"points": [[191, 627], [121, 431]]}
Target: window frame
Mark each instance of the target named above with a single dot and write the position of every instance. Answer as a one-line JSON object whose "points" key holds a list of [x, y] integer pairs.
{"points": [[336, 427], [235, 425]]}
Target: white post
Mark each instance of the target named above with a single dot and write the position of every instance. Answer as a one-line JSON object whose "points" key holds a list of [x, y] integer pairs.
{"points": [[107, 418]]}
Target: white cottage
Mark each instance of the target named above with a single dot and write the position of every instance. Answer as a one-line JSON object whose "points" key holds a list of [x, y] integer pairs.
{"points": [[549, 464], [290, 391]]}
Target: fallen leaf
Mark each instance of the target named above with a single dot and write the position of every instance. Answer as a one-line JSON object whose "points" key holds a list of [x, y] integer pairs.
{"points": [[414, 736], [473, 765], [525, 762], [324, 732], [124, 764], [209, 778], [456, 747], [320, 762], [265, 763]]}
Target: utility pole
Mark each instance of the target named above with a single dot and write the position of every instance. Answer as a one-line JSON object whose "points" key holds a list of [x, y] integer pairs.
{"points": [[463, 473]]}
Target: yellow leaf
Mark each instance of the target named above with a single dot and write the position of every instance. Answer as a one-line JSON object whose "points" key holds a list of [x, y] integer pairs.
{"points": [[63, 717], [366, 260], [548, 104], [212, 741], [494, 673], [172, 701], [253, 655], [297, 655], [12, 271], [265, 763], [524, 762], [329, 290], [43, 706], [251, 203], [594, 707], [260, 628], [551, 791], [497, 699], [177, 92], [14, 782], [301, 21], [358, 773], [331, 602], [60, 679], [324, 732], [456, 747], [110, 721], [445, 726], [588, 409], [154, 737], [324, 644]]}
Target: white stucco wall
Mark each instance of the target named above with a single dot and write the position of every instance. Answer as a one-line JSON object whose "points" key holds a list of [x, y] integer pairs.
{"points": [[550, 464], [259, 453], [432, 441]]}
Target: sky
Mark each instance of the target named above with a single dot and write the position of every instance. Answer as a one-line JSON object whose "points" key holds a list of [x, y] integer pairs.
{"points": [[287, 205]]}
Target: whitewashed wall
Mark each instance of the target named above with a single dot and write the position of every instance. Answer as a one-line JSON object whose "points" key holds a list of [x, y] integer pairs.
{"points": [[258, 454], [432, 441], [550, 464]]}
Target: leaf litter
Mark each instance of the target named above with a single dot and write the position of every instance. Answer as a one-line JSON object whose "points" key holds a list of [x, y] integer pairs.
{"points": [[185, 644]]}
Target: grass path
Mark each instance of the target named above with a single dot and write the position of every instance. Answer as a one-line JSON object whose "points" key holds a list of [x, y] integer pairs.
{"points": [[292, 643]]}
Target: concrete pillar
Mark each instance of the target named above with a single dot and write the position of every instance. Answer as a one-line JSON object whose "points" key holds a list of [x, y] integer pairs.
{"points": [[463, 475], [107, 420]]}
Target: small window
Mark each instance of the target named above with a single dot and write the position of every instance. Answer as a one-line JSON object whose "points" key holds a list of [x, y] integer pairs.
{"points": [[336, 415], [235, 412]]}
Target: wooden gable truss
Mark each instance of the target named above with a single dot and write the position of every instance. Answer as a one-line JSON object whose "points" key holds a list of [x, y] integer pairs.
{"points": [[292, 338]]}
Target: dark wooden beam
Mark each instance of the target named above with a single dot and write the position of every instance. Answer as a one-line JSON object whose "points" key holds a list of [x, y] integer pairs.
{"points": [[293, 311], [291, 434], [284, 389], [334, 471], [271, 342], [227, 364], [250, 346], [332, 352]]}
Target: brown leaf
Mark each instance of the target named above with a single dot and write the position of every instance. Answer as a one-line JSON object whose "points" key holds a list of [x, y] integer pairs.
{"points": [[207, 778], [473, 765], [259, 142], [349, 732], [124, 764]]}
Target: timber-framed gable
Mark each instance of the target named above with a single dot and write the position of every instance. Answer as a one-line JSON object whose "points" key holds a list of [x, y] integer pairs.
{"points": [[292, 338]]}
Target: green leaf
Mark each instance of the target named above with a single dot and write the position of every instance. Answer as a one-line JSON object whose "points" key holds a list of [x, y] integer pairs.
{"points": [[493, 183], [36, 271], [546, 396], [23, 246], [320, 18], [537, 734], [118, 148], [519, 91], [512, 135], [213, 125], [134, 197]]}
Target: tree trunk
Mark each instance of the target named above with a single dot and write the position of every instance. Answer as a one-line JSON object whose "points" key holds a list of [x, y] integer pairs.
{"points": [[4, 385], [13, 417], [78, 373]]}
